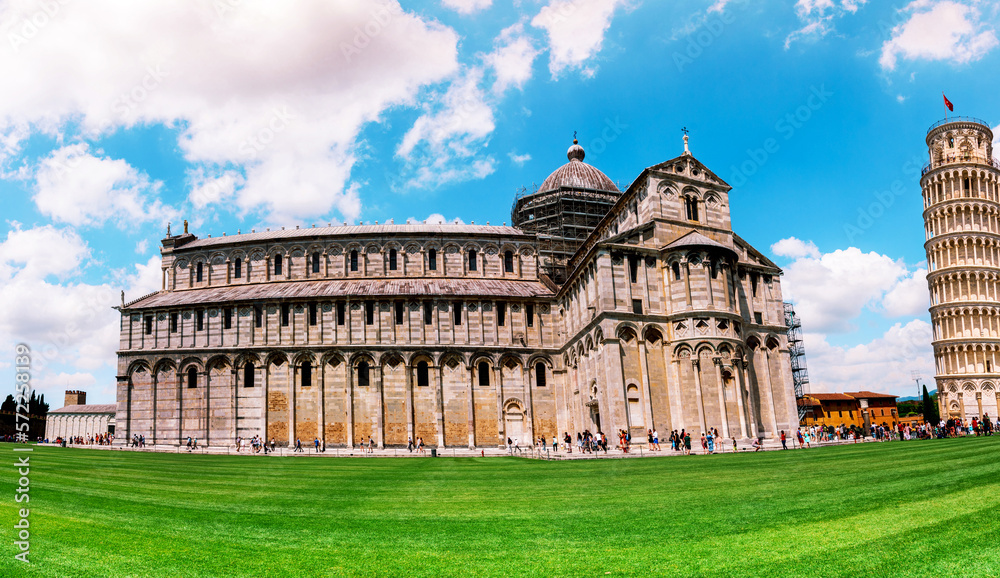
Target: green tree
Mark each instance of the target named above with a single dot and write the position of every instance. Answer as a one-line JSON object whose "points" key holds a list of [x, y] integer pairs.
{"points": [[931, 414]]}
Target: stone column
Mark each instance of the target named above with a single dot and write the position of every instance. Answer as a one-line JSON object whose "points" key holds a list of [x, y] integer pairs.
{"points": [[208, 404], [722, 397], [501, 429], [647, 396], [409, 402], [979, 402], [696, 367], [291, 402], [439, 407], [472, 419], [770, 393], [234, 377], [380, 410], [529, 405], [180, 407], [350, 402], [738, 373], [321, 418], [153, 380], [265, 378], [674, 391]]}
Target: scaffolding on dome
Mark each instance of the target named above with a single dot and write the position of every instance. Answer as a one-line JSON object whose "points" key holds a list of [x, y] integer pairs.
{"points": [[797, 356], [562, 219]]}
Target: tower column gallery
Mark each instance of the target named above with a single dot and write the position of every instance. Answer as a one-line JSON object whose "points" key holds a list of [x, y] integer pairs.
{"points": [[959, 185]]}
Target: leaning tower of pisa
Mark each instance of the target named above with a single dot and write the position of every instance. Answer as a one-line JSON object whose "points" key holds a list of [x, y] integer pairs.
{"points": [[962, 227]]}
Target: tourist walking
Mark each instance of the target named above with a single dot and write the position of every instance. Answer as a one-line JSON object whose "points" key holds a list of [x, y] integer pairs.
{"points": [[784, 444]]}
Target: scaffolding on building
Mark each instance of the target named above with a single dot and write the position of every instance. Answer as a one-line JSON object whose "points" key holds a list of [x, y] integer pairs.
{"points": [[562, 219], [797, 356]]}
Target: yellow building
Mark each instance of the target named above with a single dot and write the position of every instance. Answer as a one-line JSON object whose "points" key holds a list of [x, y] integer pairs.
{"points": [[859, 408]]}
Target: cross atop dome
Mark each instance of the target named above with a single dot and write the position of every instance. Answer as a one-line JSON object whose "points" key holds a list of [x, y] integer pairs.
{"points": [[686, 150]]}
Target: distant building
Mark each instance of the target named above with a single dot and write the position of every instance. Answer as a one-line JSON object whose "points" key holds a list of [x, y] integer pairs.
{"points": [[77, 418], [859, 408]]}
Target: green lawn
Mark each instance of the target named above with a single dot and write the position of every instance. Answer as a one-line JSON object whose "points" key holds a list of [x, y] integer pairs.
{"points": [[916, 508]]}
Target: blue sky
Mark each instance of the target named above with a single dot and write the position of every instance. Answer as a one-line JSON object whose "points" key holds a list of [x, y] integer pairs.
{"points": [[119, 117]]}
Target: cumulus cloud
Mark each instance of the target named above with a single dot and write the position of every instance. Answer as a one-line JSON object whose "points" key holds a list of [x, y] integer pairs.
{"points": [[285, 115], [817, 17], [512, 58], [435, 219], [575, 30], [795, 248], [938, 30], [517, 159], [831, 290], [467, 6], [74, 186], [70, 324], [443, 143], [883, 364]]}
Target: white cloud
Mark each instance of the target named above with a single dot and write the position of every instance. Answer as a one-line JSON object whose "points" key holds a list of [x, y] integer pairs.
{"points": [[795, 248], [817, 17], [442, 145], [517, 159], [831, 290], [718, 6], [435, 219], [69, 325], [142, 246], [909, 298], [286, 114], [76, 187], [512, 58], [37, 253], [467, 6], [882, 365], [575, 31], [938, 30]]}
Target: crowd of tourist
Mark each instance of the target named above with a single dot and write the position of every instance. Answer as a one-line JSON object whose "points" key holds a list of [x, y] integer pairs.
{"points": [[85, 440]]}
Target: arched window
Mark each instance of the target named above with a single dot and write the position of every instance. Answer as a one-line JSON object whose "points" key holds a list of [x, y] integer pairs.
{"points": [[473, 263], [392, 259], [307, 374], [277, 264], [423, 375], [192, 377], [354, 260], [676, 267], [238, 268], [691, 208], [363, 374], [540, 374], [508, 262], [432, 259], [198, 270], [248, 375], [315, 262], [484, 373]]}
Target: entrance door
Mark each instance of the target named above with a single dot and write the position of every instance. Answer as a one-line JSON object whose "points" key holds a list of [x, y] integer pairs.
{"points": [[515, 427]]}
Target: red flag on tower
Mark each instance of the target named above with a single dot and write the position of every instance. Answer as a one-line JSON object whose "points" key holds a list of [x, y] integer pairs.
{"points": [[948, 103]]}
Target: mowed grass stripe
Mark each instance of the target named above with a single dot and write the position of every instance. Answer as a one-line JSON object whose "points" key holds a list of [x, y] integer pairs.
{"points": [[874, 509]]}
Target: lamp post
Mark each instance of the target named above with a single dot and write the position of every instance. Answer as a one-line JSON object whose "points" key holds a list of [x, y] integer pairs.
{"points": [[915, 375]]}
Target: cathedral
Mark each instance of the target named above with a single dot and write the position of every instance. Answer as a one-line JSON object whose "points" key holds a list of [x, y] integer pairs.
{"points": [[597, 309]]}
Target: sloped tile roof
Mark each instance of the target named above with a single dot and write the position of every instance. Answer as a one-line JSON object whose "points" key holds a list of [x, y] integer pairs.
{"points": [[341, 288], [356, 231], [89, 408]]}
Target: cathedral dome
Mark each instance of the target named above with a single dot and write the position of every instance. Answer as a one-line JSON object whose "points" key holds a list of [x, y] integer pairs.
{"points": [[577, 174]]}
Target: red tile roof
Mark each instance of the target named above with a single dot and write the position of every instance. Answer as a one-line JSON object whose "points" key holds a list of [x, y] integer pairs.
{"points": [[830, 397], [869, 395]]}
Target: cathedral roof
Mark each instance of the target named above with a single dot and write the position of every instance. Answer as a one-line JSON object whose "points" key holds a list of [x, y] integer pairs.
{"points": [[696, 239], [339, 288], [577, 174], [415, 229], [91, 408]]}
